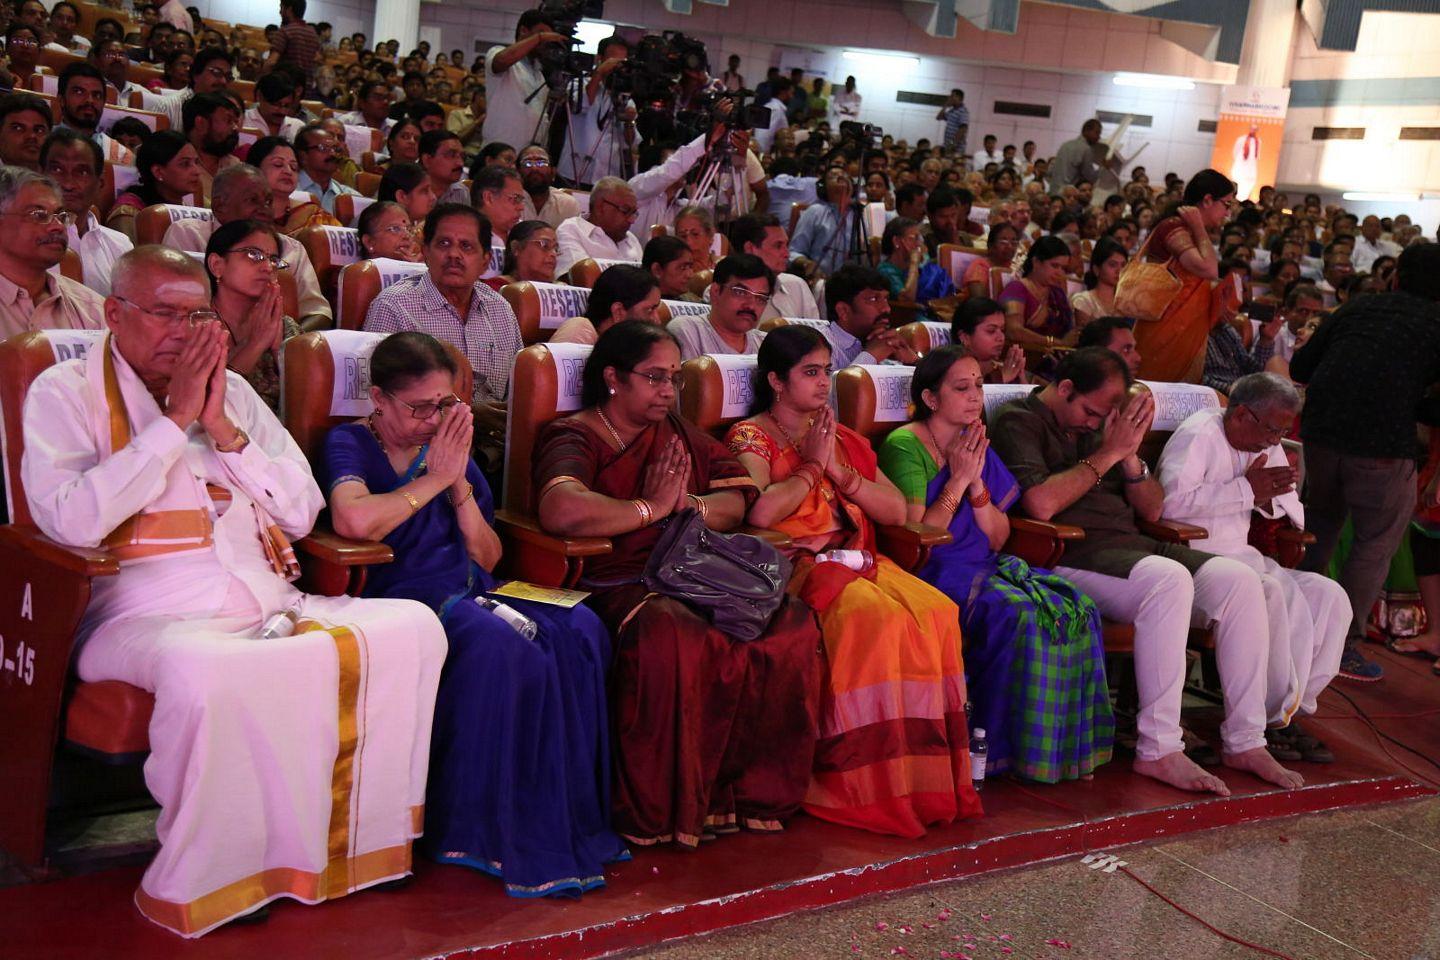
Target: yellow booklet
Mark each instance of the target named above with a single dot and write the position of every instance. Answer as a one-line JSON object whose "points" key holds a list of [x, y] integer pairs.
{"points": [[555, 596]]}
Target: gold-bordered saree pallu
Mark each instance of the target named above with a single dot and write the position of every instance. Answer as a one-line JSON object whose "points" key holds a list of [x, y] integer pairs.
{"points": [[710, 734], [894, 753]]}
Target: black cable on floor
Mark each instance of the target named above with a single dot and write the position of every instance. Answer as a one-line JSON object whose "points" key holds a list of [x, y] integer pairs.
{"points": [[1365, 717]]}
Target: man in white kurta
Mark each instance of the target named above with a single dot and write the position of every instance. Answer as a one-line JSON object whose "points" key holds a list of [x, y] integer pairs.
{"points": [[292, 766], [1218, 467]]}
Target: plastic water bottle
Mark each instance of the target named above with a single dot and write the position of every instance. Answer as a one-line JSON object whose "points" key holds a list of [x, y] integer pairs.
{"points": [[858, 560], [979, 750], [282, 624], [522, 624]]}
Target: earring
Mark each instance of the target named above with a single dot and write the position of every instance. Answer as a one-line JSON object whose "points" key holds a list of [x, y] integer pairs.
{"points": [[612, 391]]}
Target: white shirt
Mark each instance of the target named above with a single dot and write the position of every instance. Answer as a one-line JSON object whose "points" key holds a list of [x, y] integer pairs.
{"points": [[792, 298], [1366, 253], [590, 140], [846, 106], [698, 338], [983, 157], [289, 126], [651, 188], [1204, 482], [559, 207], [509, 118], [171, 104], [778, 122], [580, 239], [98, 249]]}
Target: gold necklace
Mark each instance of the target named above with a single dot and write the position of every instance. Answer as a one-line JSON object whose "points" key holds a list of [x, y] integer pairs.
{"points": [[611, 427], [934, 442], [370, 422], [786, 433]]}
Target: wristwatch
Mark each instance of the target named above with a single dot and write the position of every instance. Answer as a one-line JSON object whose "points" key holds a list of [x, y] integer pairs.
{"points": [[1144, 473]]}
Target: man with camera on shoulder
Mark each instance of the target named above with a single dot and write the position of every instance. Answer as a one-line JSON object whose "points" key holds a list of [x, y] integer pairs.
{"points": [[515, 77]]}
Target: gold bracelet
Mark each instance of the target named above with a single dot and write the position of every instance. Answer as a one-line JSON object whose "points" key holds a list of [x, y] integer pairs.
{"points": [[237, 444], [554, 482], [854, 488], [469, 494], [947, 502], [701, 507], [1086, 462], [410, 499], [643, 508]]}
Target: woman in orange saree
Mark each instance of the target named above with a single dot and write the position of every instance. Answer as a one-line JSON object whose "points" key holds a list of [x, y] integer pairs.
{"points": [[893, 755], [710, 734], [1173, 347]]}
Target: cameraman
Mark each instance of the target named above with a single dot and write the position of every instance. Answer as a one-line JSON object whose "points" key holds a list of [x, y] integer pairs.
{"points": [[656, 189], [827, 232], [515, 106], [597, 127]]}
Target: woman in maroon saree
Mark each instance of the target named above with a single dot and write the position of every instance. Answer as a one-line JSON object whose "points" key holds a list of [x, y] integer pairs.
{"points": [[710, 734]]}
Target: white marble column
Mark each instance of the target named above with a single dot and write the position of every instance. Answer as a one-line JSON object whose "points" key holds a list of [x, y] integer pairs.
{"points": [[1269, 43]]}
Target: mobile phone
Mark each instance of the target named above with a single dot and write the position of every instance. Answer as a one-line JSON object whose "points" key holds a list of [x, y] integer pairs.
{"points": [[1264, 312]]}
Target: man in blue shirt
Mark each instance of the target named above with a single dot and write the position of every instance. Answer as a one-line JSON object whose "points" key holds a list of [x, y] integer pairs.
{"points": [[825, 231], [857, 301], [957, 121]]}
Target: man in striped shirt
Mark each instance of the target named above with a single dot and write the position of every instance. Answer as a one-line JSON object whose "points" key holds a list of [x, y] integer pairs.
{"points": [[296, 43]]}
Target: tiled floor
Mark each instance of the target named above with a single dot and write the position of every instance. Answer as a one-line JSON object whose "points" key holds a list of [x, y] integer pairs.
{"points": [[1341, 885]]}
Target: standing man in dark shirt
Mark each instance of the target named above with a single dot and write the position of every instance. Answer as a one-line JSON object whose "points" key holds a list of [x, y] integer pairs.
{"points": [[296, 44], [1367, 369], [1073, 446]]}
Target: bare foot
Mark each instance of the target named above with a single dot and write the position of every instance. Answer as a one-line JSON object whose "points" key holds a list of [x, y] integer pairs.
{"points": [[1426, 643], [1181, 772], [1261, 764]]}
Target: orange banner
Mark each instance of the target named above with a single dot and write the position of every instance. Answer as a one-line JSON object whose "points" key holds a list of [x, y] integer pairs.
{"points": [[1248, 137]]}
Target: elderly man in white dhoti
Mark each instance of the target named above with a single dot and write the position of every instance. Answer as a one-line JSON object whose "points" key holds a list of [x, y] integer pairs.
{"points": [[287, 766], [1218, 467]]}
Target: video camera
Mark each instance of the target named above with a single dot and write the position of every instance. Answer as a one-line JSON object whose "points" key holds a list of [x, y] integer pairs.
{"points": [[558, 64]]}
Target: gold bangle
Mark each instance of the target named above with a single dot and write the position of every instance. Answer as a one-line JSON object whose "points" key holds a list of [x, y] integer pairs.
{"points": [[554, 482], [469, 494], [855, 487], [698, 502], [410, 499], [1084, 461], [237, 444], [643, 509], [947, 502]]}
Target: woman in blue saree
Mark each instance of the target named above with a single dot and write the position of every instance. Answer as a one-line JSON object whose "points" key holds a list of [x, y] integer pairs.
{"points": [[1034, 656], [519, 758]]}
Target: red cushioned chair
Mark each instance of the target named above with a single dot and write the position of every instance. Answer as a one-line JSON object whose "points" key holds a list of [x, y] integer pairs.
{"points": [[45, 588]]}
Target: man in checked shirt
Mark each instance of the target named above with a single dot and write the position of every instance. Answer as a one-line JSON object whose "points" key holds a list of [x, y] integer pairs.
{"points": [[449, 302]]}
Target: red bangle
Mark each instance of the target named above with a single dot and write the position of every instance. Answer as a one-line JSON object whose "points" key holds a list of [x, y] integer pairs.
{"points": [[982, 500]]}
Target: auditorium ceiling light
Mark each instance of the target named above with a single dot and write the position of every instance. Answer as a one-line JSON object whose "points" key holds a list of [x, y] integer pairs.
{"points": [[881, 59], [1364, 196], [1153, 81]]}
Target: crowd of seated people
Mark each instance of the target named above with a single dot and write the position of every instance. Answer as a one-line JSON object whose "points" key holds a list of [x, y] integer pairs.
{"points": [[541, 752]]}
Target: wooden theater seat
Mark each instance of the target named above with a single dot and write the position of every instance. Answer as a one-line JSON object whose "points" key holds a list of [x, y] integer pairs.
{"points": [[348, 208], [152, 222], [367, 183], [44, 590], [700, 281], [956, 259], [329, 249], [670, 309], [767, 325], [361, 282], [583, 273], [922, 336], [540, 308], [544, 384], [872, 401]]}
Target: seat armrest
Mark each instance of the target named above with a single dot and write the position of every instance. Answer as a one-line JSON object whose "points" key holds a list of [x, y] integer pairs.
{"points": [[85, 561], [527, 530], [1044, 528], [1039, 542], [1295, 535], [775, 538], [1290, 545], [909, 544], [1171, 531], [329, 547]]}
